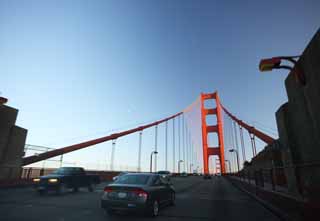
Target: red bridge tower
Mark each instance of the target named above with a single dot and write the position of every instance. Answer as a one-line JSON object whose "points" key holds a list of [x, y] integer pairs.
{"points": [[206, 129]]}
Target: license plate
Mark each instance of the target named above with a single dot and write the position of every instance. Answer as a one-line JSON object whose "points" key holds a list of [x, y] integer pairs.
{"points": [[41, 188], [122, 195]]}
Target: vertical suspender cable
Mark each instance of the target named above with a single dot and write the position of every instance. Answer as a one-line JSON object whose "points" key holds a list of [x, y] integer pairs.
{"points": [[242, 144], [173, 147], [253, 144], [236, 136], [139, 152]]}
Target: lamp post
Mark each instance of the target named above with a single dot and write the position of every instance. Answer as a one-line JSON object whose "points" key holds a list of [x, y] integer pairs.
{"points": [[275, 63], [237, 155], [3, 100], [191, 167], [229, 165], [180, 161], [153, 152]]}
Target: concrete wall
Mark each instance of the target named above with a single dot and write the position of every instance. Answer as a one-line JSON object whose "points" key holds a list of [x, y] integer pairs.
{"points": [[299, 124], [12, 141]]}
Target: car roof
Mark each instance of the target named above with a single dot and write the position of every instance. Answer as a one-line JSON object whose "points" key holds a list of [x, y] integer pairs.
{"points": [[140, 174]]}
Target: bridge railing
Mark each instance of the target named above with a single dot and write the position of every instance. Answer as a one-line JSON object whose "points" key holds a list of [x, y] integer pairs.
{"points": [[275, 179]]}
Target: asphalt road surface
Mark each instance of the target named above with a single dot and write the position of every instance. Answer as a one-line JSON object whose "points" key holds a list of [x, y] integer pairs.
{"points": [[196, 199]]}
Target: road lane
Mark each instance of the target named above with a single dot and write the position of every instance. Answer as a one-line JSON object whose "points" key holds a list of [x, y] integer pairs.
{"points": [[196, 199]]}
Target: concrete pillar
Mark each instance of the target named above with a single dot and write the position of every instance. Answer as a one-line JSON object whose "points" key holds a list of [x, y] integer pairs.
{"points": [[12, 142], [286, 146]]}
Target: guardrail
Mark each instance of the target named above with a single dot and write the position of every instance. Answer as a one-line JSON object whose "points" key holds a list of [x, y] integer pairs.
{"points": [[274, 178], [271, 185]]}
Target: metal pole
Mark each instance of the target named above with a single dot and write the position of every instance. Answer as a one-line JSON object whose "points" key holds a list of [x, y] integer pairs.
{"points": [[237, 155], [229, 164], [151, 162], [139, 152], [183, 140], [179, 134], [61, 159], [156, 147], [166, 143], [235, 135], [173, 146], [112, 154]]}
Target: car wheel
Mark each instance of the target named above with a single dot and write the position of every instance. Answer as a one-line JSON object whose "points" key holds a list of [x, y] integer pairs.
{"points": [[62, 189], [173, 199], [41, 192], [109, 212], [91, 187], [154, 208], [75, 189]]}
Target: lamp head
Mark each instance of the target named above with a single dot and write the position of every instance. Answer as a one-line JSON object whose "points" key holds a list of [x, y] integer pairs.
{"points": [[269, 64]]}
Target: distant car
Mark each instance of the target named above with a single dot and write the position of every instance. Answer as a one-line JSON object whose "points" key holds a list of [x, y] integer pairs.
{"points": [[65, 178], [183, 174], [165, 174], [138, 192], [120, 174], [207, 176]]}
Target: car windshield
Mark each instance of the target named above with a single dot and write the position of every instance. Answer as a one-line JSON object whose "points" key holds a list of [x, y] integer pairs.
{"points": [[133, 179], [65, 170]]}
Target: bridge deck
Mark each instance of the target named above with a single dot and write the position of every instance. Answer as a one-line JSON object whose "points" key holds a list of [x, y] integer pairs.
{"points": [[196, 199]]}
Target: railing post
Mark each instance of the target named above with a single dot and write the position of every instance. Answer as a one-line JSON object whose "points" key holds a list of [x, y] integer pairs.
{"points": [[262, 178], [29, 172], [41, 171], [272, 179], [298, 178]]}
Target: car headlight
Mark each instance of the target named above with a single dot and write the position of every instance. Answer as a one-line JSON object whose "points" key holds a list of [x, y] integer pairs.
{"points": [[36, 180], [53, 180]]}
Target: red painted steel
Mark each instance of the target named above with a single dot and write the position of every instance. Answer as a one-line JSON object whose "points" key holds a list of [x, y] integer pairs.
{"points": [[264, 137], [208, 151], [64, 150]]}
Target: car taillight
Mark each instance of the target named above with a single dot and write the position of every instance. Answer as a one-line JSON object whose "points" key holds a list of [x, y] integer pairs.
{"points": [[141, 194], [107, 189]]}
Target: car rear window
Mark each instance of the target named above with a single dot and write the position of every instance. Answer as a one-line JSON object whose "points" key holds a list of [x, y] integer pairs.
{"points": [[163, 172], [133, 179]]}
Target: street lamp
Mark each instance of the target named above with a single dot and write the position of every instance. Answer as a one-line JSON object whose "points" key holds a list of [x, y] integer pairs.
{"points": [[3, 100], [180, 161], [153, 152], [234, 150], [229, 165], [275, 63], [191, 167]]}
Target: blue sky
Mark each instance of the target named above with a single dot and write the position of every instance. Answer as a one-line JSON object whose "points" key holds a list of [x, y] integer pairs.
{"points": [[82, 69]]}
